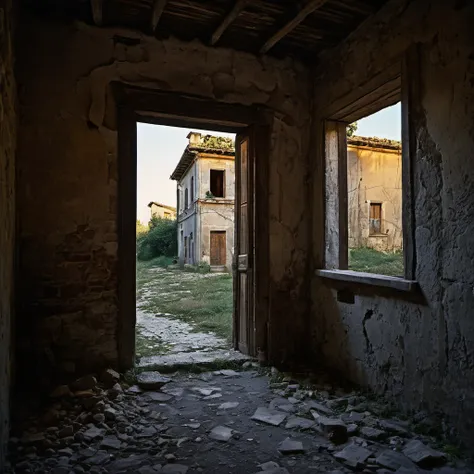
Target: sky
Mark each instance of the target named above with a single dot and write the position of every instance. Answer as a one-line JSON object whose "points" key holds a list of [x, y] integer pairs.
{"points": [[159, 149]]}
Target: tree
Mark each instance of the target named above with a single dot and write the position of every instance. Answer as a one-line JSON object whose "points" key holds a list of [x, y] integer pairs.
{"points": [[351, 129], [160, 240]]}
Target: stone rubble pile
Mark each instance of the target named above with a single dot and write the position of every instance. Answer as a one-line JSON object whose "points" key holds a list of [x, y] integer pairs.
{"points": [[90, 424], [358, 438], [100, 426]]}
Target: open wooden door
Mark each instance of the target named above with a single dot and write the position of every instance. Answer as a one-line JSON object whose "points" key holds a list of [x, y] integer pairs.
{"points": [[244, 314]]}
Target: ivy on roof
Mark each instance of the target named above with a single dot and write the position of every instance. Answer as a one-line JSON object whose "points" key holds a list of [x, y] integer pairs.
{"points": [[218, 143]]}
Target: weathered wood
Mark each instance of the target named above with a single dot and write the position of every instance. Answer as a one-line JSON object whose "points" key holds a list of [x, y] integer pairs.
{"points": [[343, 196], [411, 92], [362, 278], [96, 7], [309, 8], [127, 209], [158, 8], [230, 17]]}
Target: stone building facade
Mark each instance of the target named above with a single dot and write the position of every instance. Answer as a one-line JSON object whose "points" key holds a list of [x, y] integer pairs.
{"points": [[205, 177], [162, 210], [374, 183]]}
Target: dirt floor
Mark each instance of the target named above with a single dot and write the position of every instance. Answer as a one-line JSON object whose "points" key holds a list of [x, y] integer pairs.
{"points": [[224, 421]]}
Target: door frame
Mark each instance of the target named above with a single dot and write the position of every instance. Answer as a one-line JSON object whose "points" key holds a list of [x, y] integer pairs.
{"points": [[136, 104]]}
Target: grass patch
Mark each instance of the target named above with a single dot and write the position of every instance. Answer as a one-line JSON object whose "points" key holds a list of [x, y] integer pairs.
{"points": [[203, 300], [372, 261], [149, 346]]}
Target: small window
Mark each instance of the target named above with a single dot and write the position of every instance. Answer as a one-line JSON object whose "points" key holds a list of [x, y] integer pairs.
{"points": [[167, 215], [186, 203], [217, 183], [185, 247], [192, 189], [177, 200], [375, 218]]}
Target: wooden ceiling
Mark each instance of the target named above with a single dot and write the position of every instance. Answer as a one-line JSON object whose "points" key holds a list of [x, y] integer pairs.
{"points": [[277, 27]]}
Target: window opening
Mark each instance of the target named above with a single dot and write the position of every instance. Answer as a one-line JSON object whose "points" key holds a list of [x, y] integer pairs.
{"points": [[364, 225], [217, 183]]}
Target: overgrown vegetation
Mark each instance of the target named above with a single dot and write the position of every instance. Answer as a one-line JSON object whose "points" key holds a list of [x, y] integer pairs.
{"points": [[351, 129], [373, 261], [202, 299], [160, 240]]}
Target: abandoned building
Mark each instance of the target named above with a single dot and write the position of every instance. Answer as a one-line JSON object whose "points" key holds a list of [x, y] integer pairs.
{"points": [[374, 193], [205, 178], [162, 210], [286, 77]]}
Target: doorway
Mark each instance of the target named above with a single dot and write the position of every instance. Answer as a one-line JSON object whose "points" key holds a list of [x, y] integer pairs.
{"points": [[185, 240], [251, 126]]}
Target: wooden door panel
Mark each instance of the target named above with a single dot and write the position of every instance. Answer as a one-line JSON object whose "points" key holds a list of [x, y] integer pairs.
{"points": [[218, 248], [244, 247], [243, 321]]}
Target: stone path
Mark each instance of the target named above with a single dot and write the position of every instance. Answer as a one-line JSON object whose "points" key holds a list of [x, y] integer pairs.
{"points": [[183, 344], [218, 422]]}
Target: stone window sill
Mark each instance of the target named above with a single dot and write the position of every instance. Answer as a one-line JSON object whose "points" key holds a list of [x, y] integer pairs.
{"points": [[378, 236], [369, 279]]}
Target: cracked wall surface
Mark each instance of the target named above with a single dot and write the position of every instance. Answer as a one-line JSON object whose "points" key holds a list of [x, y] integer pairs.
{"points": [[422, 354], [7, 212], [68, 178]]}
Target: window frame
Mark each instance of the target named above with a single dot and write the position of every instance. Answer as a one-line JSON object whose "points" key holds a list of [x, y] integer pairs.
{"points": [[372, 99]]}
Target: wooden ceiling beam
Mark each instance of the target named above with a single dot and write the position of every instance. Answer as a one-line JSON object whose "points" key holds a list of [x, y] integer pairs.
{"points": [[158, 8], [309, 8], [230, 17], [96, 7]]}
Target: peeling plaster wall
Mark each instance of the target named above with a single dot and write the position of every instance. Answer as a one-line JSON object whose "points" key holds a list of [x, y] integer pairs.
{"points": [[421, 354], [68, 179], [8, 122]]}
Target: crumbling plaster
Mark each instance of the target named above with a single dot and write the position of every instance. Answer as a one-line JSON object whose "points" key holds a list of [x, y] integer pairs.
{"points": [[421, 354], [8, 121], [68, 178]]}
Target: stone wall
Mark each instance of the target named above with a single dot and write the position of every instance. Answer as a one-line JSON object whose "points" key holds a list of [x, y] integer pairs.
{"points": [[7, 212], [423, 355], [68, 178]]}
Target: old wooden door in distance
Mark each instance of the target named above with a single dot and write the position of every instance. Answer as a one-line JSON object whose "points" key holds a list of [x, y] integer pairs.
{"points": [[244, 323], [218, 248]]}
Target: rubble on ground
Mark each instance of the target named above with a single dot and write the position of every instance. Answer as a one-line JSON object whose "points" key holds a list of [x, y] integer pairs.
{"points": [[177, 425]]}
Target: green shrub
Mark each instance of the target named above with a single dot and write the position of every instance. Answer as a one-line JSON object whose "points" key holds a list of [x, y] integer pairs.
{"points": [[160, 240]]}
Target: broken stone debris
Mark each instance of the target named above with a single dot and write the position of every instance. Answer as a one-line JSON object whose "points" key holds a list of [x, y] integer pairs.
{"points": [[151, 380], [96, 429], [270, 417], [221, 433], [334, 428], [423, 455], [290, 446], [394, 460], [295, 422], [353, 456]]}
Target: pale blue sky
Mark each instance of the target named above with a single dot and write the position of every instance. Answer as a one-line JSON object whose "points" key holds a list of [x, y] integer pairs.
{"points": [[159, 149]]}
